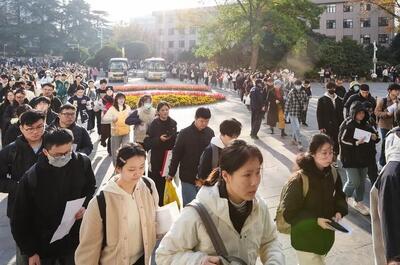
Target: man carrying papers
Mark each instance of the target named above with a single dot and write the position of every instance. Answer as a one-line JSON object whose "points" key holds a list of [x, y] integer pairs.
{"points": [[47, 200]]}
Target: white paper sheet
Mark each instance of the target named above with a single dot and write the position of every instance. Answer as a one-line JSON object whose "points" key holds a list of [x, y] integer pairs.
{"points": [[360, 134], [392, 108], [68, 219], [165, 217]]}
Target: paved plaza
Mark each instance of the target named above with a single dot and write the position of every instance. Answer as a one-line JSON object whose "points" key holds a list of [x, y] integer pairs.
{"points": [[279, 154]]}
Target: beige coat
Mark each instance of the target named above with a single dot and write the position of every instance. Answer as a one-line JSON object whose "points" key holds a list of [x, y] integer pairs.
{"points": [[89, 250], [385, 122], [118, 128], [187, 242]]}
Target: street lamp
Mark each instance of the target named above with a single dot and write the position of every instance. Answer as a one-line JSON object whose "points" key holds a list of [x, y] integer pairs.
{"points": [[374, 60]]}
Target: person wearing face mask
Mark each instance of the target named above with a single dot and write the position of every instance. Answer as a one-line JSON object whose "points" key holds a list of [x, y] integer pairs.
{"points": [[59, 176], [296, 104], [141, 118], [354, 89], [117, 115], [330, 115], [257, 106]]}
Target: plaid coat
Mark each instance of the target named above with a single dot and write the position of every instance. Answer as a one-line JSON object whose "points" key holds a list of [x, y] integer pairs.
{"points": [[296, 102]]}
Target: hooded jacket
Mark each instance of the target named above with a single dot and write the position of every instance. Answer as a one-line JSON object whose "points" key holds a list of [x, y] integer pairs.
{"points": [[351, 154], [385, 212], [205, 165], [119, 235], [141, 119], [187, 242], [323, 200]]}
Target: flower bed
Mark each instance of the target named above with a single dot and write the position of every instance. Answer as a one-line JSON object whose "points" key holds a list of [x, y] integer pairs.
{"points": [[179, 87], [176, 98]]}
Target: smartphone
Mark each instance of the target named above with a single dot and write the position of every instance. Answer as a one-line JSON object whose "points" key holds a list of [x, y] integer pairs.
{"points": [[338, 226]]}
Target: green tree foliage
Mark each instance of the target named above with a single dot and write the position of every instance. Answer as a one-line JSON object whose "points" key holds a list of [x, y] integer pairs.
{"points": [[103, 56], [246, 23], [136, 50], [38, 27]]}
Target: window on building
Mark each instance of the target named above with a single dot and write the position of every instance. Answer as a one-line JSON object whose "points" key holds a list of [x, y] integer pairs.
{"points": [[192, 30], [331, 24], [171, 44], [365, 7], [383, 38], [365, 22], [181, 44], [330, 8], [171, 31], [347, 23], [192, 43], [383, 21], [347, 8], [181, 31], [365, 39]]}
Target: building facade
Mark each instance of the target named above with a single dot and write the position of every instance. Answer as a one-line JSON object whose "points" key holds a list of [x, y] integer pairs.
{"points": [[362, 22]]}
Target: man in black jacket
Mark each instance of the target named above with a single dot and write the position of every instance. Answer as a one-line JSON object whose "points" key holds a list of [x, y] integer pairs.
{"points": [[48, 91], [362, 96], [188, 148], [330, 114], [66, 119], [19, 156], [59, 176], [43, 104], [257, 104]]}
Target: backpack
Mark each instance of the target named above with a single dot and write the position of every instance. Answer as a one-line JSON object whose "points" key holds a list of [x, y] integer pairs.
{"points": [[214, 235], [101, 201], [215, 156], [281, 224]]}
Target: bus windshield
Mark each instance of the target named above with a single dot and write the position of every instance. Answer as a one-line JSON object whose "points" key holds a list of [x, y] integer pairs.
{"points": [[118, 66], [155, 66]]}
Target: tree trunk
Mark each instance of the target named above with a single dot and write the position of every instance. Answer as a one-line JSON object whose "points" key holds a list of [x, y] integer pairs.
{"points": [[255, 48]]}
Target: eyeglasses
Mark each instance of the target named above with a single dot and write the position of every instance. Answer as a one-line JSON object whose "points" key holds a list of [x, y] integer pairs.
{"points": [[70, 114], [32, 129]]}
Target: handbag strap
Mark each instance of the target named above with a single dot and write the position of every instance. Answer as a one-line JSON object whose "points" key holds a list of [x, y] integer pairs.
{"points": [[213, 233]]}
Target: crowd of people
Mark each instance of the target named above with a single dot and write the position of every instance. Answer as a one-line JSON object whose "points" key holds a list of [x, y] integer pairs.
{"points": [[49, 113]]}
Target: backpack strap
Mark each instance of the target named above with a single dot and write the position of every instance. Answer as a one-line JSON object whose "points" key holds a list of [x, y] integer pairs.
{"points": [[148, 184], [101, 201], [213, 233], [215, 156], [306, 183]]}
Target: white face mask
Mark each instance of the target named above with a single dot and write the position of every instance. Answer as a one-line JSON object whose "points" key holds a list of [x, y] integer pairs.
{"points": [[297, 87], [147, 105], [59, 161]]}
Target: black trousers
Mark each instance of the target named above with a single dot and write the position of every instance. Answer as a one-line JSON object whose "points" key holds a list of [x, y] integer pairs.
{"points": [[256, 119], [160, 185], [97, 116]]}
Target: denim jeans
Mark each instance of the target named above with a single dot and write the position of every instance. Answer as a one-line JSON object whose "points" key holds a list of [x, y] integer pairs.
{"points": [[355, 183], [382, 159], [189, 192], [295, 124]]}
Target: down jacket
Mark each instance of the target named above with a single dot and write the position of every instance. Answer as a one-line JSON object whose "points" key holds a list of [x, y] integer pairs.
{"points": [[187, 242]]}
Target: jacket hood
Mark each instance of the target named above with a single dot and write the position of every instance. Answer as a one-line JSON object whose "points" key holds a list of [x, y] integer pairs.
{"points": [[113, 187], [392, 151], [308, 165], [216, 140], [355, 108]]}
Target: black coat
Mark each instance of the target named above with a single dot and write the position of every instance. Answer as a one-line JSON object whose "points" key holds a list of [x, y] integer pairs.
{"points": [[188, 148], [40, 202], [81, 137], [358, 97], [12, 133], [329, 117], [158, 148], [352, 155], [15, 159], [323, 200]]}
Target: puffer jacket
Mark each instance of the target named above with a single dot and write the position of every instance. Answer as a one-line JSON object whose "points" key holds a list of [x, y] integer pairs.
{"points": [[323, 200], [118, 128], [352, 155], [187, 242], [116, 251]]}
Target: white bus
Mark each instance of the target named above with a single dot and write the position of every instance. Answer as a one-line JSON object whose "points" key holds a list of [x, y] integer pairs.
{"points": [[155, 69], [118, 70]]}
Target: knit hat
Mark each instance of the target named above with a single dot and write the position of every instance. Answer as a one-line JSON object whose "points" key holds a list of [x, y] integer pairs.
{"points": [[354, 83]]}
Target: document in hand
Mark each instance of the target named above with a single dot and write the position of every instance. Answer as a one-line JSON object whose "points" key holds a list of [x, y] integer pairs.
{"points": [[68, 219], [165, 217], [361, 134]]}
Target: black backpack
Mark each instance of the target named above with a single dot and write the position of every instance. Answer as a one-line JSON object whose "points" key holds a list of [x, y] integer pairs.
{"points": [[101, 201]]}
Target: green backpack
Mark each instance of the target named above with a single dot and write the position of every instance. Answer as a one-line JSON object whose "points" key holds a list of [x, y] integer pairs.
{"points": [[281, 224]]}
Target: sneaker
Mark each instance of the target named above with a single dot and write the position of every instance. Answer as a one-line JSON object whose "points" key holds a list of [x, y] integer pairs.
{"points": [[361, 208], [300, 147], [350, 201], [272, 130], [255, 137]]}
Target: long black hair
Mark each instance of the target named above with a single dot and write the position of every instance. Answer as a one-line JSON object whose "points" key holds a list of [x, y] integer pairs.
{"points": [[231, 159]]}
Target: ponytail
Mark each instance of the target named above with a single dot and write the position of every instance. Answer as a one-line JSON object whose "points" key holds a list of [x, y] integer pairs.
{"points": [[212, 179]]}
